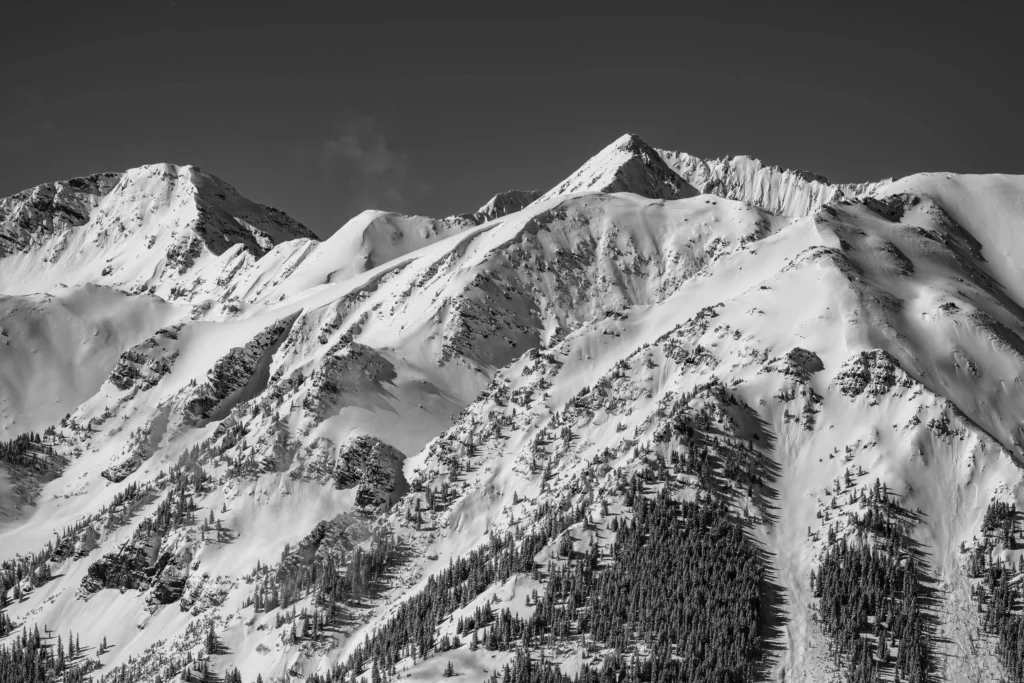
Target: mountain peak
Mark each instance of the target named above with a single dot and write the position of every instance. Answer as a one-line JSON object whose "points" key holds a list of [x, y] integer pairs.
{"points": [[224, 218], [140, 230], [631, 141], [626, 165]]}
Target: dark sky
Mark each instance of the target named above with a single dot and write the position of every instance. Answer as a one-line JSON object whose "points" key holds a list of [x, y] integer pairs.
{"points": [[433, 107]]}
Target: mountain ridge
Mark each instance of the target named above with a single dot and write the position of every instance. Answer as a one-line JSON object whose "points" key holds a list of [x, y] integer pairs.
{"points": [[781, 191]]}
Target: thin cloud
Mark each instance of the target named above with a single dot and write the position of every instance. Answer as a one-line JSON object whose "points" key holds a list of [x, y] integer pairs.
{"points": [[366, 172]]}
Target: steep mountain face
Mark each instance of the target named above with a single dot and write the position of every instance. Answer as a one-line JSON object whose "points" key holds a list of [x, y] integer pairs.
{"points": [[770, 431]]}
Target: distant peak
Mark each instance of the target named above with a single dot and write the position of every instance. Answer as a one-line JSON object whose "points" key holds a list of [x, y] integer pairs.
{"points": [[225, 216], [626, 165], [505, 203], [144, 203]]}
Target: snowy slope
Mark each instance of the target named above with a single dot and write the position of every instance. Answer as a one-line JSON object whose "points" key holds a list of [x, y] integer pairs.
{"points": [[439, 380], [63, 346]]}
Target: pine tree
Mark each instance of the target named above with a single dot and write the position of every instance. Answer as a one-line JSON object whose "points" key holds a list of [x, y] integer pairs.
{"points": [[211, 641]]}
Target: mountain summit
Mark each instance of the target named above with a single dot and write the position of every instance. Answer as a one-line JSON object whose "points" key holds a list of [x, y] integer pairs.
{"points": [[627, 165]]}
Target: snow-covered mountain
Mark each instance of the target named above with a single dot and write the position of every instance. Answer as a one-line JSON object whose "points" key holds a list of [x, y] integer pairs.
{"points": [[365, 455]]}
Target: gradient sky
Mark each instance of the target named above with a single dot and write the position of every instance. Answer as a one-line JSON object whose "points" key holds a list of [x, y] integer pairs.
{"points": [[432, 108]]}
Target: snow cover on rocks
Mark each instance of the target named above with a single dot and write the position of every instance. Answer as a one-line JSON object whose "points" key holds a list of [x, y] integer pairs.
{"points": [[787, 193]]}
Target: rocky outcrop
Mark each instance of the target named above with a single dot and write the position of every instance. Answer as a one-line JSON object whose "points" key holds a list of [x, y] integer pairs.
{"points": [[145, 364], [503, 204], [346, 368], [798, 363], [873, 373], [233, 372], [370, 465]]}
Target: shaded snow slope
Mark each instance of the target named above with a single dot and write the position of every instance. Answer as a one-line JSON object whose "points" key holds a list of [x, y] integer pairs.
{"points": [[56, 349], [989, 208]]}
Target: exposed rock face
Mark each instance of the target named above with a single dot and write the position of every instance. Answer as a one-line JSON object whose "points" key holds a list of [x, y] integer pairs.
{"points": [[505, 203], [162, 575], [139, 447], [234, 372], [871, 373], [346, 369], [370, 465], [797, 363], [31, 215], [329, 539], [143, 365]]}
